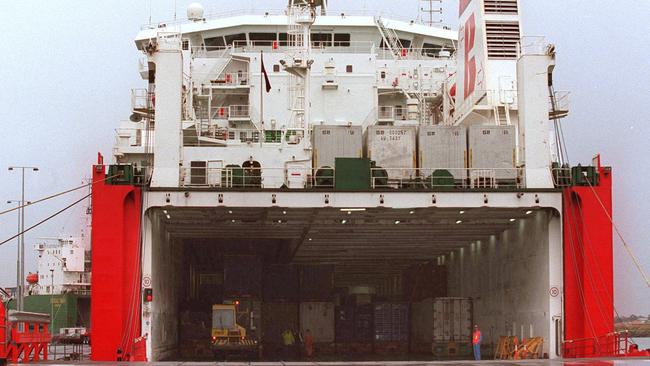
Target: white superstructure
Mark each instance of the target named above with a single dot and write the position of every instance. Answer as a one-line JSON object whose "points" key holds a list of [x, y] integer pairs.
{"points": [[63, 266], [230, 165]]}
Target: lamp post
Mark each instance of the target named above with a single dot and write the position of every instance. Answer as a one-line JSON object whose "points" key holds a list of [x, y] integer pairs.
{"points": [[21, 242]]}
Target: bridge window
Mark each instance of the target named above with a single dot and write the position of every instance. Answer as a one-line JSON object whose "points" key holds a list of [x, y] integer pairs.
{"points": [[342, 40], [214, 43], [238, 40], [430, 49], [321, 39], [262, 39], [198, 172]]}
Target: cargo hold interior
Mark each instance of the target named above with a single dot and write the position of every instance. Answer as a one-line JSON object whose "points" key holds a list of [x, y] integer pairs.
{"points": [[370, 284]]}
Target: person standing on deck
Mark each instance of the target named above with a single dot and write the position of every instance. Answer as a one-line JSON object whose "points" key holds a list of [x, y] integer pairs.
{"points": [[309, 344], [288, 342], [477, 338]]}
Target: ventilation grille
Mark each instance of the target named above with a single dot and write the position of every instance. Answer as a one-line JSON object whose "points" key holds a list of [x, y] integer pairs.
{"points": [[502, 40], [501, 6]]}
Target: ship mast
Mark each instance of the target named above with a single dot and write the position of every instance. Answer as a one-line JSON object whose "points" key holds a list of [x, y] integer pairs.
{"points": [[298, 61]]}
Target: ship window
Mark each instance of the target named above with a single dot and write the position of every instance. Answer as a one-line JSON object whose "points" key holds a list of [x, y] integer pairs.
{"points": [[198, 170], [321, 39], [262, 39], [238, 40], [276, 68], [31, 327], [405, 43], [214, 43], [186, 44], [430, 49], [348, 68], [342, 40]]}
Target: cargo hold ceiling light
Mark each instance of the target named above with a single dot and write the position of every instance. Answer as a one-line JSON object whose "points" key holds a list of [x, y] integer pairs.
{"points": [[459, 222], [529, 212], [513, 220], [352, 209], [462, 212], [411, 212], [397, 222], [344, 221]]}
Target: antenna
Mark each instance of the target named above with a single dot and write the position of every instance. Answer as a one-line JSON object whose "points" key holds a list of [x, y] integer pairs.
{"points": [[430, 12]]}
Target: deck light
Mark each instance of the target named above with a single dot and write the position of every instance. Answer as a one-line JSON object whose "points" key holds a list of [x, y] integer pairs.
{"points": [[411, 212], [462, 212], [529, 212], [513, 220], [344, 221], [459, 222], [397, 222]]}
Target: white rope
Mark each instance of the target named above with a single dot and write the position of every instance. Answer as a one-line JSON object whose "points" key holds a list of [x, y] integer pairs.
{"points": [[618, 232]]}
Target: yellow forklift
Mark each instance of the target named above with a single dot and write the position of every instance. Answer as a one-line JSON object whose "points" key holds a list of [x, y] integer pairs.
{"points": [[235, 329]]}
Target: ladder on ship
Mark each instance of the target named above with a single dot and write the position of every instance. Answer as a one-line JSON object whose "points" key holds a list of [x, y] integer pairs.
{"points": [[502, 115], [390, 38]]}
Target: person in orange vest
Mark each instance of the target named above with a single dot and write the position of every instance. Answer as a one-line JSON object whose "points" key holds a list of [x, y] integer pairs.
{"points": [[477, 338], [309, 344]]}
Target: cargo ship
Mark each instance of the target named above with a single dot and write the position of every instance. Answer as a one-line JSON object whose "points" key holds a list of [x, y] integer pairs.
{"points": [[379, 184], [60, 287]]}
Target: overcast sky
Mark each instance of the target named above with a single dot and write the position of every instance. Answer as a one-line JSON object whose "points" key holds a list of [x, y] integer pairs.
{"points": [[66, 68]]}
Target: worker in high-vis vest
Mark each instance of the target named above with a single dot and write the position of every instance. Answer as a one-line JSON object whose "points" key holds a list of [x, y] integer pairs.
{"points": [[477, 338]]}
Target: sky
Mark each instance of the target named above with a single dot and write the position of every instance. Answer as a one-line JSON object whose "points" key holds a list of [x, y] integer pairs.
{"points": [[67, 67]]}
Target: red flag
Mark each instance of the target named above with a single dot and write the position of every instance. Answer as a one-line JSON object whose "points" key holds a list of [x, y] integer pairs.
{"points": [[266, 76]]}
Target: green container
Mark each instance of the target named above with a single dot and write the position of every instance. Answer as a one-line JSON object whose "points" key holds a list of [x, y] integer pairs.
{"points": [[120, 175], [441, 179], [352, 174], [62, 307], [585, 176]]}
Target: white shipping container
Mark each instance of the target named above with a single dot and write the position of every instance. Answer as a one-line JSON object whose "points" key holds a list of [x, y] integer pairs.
{"points": [[394, 149], [493, 148], [318, 317], [443, 147], [452, 319], [331, 142]]}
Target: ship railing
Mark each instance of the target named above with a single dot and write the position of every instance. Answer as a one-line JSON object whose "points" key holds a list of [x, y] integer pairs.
{"points": [[218, 174], [213, 15], [142, 100], [533, 45], [559, 104], [487, 99], [63, 350], [609, 345], [239, 112], [562, 177], [221, 175], [413, 53], [448, 178], [232, 79]]}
